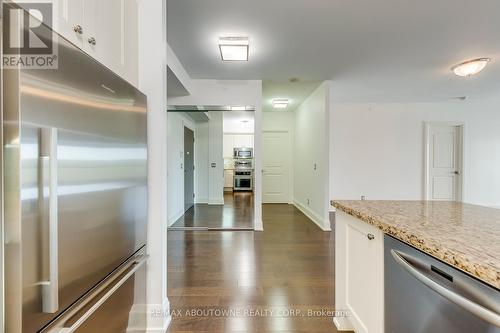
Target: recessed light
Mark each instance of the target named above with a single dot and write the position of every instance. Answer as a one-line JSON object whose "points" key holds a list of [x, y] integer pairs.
{"points": [[470, 67], [238, 108], [234, 48], [280, 103]]}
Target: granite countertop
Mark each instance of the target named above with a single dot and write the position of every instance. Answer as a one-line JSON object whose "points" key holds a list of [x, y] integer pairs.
{"points": [[465, 236]]}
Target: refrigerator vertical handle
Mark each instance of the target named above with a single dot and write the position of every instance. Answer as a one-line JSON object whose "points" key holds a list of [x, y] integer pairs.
{"points": [[50, 288]]}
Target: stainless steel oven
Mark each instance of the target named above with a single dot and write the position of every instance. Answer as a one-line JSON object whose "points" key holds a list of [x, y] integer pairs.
{"points": [[243, 180], [243, 153], [245, 164]]}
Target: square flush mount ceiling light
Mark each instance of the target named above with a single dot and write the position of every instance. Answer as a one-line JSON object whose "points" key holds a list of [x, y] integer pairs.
{"points": [[280, 103], [234, 48]]}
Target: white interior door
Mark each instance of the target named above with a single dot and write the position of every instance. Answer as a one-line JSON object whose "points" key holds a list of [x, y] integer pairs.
{"points": [[276, 167], [444, 180]]}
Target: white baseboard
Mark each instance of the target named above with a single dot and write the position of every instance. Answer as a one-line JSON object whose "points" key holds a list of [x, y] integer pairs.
{"points": [[201, 201], [137, 319], [323, 225], [216, 201], [342, 324], [175, 217], [158, 317]]}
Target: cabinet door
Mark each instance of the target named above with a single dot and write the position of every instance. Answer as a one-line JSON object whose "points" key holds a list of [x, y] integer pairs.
{"points": [[112, 36], [248, 140], [364, 275], [228, 178], [69, 16], [239, 141], [243, 141]]}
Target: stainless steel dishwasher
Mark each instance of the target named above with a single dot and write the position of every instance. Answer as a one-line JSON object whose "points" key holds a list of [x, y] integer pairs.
{"points": [[423, 294]]}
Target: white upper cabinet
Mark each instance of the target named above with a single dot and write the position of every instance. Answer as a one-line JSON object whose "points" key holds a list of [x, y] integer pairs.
{"points": [[69, 20], [106, 30], [232, 141], [243, 141]]}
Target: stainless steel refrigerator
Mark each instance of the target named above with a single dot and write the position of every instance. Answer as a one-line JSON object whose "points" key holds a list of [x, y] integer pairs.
{"points": [[74, 157]]}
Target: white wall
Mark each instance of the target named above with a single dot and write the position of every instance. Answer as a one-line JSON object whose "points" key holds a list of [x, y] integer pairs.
{"points": [[201, 149], [378, 149], [482, 149], [241, 122], [176, 67], [221, 92], [215, 156], [311, 147], [153, 82], [175, 157], [278, 121]]}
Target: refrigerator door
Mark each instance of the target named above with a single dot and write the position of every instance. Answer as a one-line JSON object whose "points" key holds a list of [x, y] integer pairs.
{"points": [[75, 157]]}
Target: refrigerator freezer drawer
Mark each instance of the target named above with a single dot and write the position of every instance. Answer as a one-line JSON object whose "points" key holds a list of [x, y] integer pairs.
{"points": [[114, 306]]}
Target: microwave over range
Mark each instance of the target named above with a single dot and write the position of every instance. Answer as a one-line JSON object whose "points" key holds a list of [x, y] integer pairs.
{"points": [[243, 152]]}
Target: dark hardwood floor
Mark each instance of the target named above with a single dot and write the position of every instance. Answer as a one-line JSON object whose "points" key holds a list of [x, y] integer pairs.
{"points": [[236, 213], [287, 267]]}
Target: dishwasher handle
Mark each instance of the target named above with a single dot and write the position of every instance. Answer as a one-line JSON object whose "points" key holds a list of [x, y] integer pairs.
{"points": [[472, 307]]}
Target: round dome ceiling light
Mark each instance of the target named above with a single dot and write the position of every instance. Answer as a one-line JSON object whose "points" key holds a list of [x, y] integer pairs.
{"points": [[470, 67]]}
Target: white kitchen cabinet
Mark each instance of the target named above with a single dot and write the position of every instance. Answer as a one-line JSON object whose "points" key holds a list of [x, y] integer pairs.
{"points": [[232, 141], [106, 30], [228, 178], [359, 275], [228, 143], [69, 20], [113, 26], [243, 141]]}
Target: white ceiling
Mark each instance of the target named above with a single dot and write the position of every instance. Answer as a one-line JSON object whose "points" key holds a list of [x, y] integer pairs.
{"points": [[238, 122], [387, 50]]}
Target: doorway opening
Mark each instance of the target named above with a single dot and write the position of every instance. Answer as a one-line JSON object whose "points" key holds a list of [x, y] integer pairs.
{"points": [[211, 168]]}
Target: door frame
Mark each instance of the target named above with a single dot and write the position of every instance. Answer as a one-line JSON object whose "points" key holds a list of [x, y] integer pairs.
{"points": [[427, 157], [290, 164]]}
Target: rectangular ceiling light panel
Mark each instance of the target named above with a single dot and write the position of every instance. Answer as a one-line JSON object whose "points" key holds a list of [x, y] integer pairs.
{"points": [[234, 48], [280, 103]]}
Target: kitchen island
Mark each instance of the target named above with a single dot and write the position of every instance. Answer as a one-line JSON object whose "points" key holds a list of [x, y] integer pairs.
{"points": [[465, 237]]}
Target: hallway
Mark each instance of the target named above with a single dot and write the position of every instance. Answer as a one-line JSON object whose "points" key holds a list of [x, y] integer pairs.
{"points": [[277, 276]]}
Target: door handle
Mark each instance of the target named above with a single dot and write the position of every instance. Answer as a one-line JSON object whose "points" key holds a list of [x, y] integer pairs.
{"points": [[97, 297], [48, 156], [468, 305], [457, 173]]}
